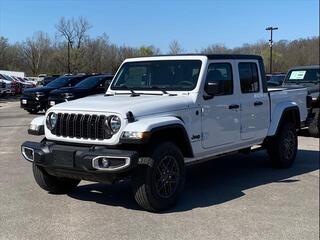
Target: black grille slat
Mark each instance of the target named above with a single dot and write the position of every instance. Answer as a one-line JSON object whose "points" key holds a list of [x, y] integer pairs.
{"points": [[71, 125], [58, 125], [85, 126], [64, 124], [81, 126], [100, 127], [78, 126], [89, 126], [94, 126], [68, 125]]}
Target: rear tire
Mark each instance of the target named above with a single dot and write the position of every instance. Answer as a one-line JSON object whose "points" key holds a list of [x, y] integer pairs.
{"points": [[314, 126], [51, 183], [159, 179], [282, 148]]}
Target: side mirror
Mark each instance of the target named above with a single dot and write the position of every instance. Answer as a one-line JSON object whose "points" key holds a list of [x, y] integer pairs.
{"points": [[211, 88]]}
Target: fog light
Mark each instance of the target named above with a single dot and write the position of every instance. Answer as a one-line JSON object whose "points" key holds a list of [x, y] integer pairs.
{"points": [[28, 153], [105, 163]]}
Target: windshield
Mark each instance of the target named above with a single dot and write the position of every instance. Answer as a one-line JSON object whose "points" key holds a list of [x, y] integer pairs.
{"points": [[174, 75], [90, 82], [303, 75], [59, 82]]}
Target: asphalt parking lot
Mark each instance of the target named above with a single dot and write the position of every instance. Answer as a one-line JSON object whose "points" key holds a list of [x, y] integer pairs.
{"points": [[238, 197]]}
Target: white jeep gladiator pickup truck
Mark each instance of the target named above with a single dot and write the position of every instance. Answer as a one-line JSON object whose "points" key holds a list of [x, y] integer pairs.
{"points": [[160, 114]]}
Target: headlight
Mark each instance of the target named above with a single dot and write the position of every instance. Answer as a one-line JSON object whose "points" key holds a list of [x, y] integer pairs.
{"points": [[134, 135], [114, 124], [51, 120]]}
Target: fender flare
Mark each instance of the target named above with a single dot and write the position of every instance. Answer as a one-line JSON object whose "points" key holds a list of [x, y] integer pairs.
{"points": [[277, 117]]}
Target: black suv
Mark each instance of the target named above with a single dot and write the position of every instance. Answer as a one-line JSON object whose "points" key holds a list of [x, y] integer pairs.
{"points": [[35, 99], [308, 77], [89, 86]]}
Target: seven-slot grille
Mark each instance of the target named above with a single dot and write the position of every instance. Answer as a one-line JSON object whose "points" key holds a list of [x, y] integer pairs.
{"points": [[82, 126]]}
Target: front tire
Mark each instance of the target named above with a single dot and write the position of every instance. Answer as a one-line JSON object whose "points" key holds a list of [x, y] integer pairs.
{"points": [[282, 148], [51, 183], [159, 178]]}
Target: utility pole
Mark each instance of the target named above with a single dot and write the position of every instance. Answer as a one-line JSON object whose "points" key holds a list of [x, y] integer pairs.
{"points": [[69, 46], [271, 29]]}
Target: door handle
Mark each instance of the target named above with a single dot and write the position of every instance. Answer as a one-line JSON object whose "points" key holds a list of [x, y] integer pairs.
{"points": [[234, 106], [258, 103]]}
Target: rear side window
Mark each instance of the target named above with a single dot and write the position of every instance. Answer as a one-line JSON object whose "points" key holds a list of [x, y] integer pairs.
{"points": [[249, 77], [221, 73]]}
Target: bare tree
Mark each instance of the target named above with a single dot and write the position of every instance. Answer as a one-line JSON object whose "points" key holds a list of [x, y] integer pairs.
{"points": [[75, 32], [175, 48], [33, 51]]}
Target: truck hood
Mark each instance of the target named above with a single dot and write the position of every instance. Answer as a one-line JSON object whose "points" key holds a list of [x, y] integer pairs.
{"points": [[140, 105]]}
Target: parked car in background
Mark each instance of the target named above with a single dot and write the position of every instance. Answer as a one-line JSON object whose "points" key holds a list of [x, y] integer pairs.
{"points": [[89, 86], [309, 77], [35, 99], [276, 79], [41, 77], [49, 79], [24, 84], [5, 86], [15, 86]]}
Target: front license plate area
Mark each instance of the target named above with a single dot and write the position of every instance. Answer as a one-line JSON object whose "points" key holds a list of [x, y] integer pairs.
{"points": [[63, 158], [24, 101]]}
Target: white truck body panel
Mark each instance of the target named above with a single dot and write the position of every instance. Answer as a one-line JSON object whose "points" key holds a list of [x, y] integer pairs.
{"points": [[283, 99]]}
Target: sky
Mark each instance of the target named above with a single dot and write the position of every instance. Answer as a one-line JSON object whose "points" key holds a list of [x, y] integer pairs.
{"points": [[194, 24]]}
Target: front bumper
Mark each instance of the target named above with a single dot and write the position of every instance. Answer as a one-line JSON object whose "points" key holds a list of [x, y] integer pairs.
{"points": [[29, 103], [80, 162]]}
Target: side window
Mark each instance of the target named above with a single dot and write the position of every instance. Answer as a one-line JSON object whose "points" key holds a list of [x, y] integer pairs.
{"points": [[249, 77], [221, 73], [76, 80]]}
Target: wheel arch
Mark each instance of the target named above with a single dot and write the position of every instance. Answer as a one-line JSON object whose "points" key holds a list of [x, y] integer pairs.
{"points": [[288, 113], [175, 133]]}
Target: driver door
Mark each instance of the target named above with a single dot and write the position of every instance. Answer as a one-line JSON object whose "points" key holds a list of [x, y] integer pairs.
{"points": [[221, 112]]}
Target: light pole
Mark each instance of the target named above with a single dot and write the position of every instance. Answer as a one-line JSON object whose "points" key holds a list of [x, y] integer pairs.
{"points": [[270, 44], [69, 45]]}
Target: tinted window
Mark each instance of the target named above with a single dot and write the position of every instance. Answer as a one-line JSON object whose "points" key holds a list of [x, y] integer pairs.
{"points": [[221, 73], [75, 80], [91, 82], [304, 75], [174, 75], [249, 77], [59, 82]]}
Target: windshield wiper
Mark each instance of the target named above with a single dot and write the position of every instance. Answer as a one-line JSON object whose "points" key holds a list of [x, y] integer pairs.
{"points": [[133, 93], [158, 88], [162, 90]]}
